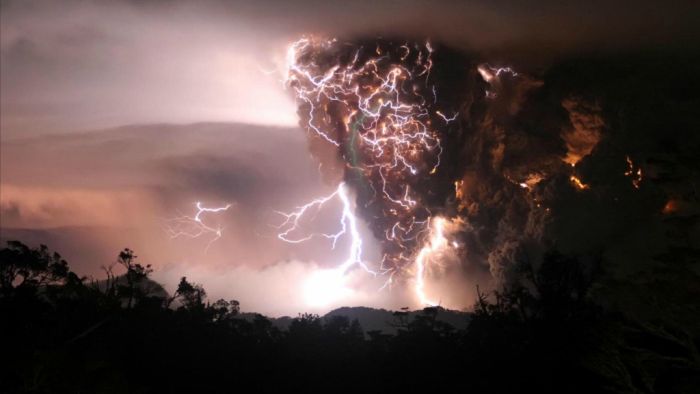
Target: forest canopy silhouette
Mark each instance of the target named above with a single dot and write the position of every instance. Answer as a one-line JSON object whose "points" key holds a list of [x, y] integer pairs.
{"points": [[125, 333]]}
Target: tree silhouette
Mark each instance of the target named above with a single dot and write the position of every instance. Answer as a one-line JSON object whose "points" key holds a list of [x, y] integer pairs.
{"points": [[26, 269], [191, 295], [540, 333], [224, 310], [135, 275]]}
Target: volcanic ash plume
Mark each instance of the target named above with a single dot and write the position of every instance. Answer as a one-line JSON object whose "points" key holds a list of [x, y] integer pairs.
{"points": [[392, 124], [451, 159]]}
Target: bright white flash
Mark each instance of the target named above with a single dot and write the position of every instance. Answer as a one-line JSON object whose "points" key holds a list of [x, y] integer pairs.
{"points": [[347, 226], [325, 286], [436, 244]]}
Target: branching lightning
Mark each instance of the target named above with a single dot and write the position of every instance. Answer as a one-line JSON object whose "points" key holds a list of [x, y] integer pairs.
{"points": [[195, 226], [376, 108], [375, 105], [348, 225], [492, 76]]}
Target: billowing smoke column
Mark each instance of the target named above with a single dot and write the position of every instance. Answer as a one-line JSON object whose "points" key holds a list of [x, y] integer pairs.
{"points": [[380, 104], [456, 159]]}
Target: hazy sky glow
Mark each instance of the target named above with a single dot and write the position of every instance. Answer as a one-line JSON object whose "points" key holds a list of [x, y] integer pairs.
{"points": [[79, 65], [119, 115], [67, 67]]}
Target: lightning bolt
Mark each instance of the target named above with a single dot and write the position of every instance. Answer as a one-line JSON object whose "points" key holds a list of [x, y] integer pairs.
{"points": [[195, 226], [493, 75], [435, 244], [382, 112], [347, 224], [377, 108]]}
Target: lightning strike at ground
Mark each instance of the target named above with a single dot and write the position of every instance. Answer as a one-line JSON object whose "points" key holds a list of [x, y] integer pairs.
{"points": [[386, 134], [323, 283], [436, 243], [347, 223], [386, 125]]}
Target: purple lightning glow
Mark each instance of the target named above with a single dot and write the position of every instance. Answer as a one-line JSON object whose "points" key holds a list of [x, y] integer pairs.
{"points": [[389, 126], [195, 226]]}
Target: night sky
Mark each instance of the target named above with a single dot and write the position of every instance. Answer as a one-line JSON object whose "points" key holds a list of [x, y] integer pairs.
{"points": [[117, 117]]}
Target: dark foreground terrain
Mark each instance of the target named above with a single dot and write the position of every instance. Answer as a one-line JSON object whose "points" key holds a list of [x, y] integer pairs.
{"points": [[125, 334]]}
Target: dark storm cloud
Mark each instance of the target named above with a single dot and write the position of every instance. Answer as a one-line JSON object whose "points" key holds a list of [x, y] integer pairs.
{"points": [[91, 64], [570, 25], [222, 176], [641, 106]]}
